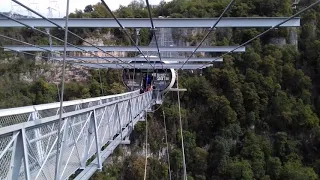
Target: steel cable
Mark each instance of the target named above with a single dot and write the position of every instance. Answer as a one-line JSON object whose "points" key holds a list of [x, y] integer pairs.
{"points": [[43, 17], [124, 31], [146, 146], [181, 134], [211, 29], [57, 170], [265, 32]]}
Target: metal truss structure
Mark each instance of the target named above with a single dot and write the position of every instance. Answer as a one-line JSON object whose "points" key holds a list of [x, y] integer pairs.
{"points": [[241, 22], [127, 48], [146, 66], [133, 59], [91, 130]]}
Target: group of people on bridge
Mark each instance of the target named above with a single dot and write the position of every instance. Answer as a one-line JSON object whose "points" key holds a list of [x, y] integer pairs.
{"points": [[147, 83]]}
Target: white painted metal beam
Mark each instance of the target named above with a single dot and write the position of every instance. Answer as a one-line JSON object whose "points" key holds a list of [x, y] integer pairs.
{"points": [[128, 48], [130, 59], [245, 22], [145, 66]]}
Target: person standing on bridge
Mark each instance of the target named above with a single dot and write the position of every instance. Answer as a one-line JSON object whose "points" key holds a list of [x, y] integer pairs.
{"points": [[149, 79]]}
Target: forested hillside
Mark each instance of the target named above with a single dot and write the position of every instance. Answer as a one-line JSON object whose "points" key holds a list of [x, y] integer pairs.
{"points": [[255, 116]]}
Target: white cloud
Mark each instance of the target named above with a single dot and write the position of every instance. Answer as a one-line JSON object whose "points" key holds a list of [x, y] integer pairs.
{"points": [[42, 5]]}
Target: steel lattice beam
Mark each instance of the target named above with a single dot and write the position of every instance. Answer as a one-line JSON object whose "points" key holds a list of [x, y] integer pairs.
{"points": [[130, 59], [144, 66], [245, 22], [127, 48]]}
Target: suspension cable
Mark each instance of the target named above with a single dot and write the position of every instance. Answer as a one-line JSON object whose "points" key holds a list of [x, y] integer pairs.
{"points": [[166, 137], [39, 47], [181, 133], [23, 42], [155, 37], [146, 141], [33, 11], [27, 53], [135, 56], [57, 174], [212, 28], [48, 34], [265, 32], [153, 30], [124, 31]]}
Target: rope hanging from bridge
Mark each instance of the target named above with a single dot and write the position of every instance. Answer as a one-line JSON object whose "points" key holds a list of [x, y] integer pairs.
{"points": [[146, 146], [181, 133], [166, 138]]}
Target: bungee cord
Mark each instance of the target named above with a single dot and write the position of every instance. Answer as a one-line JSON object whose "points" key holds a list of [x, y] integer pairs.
{"points": [[166, 138], [181, 134], [146, 146]]}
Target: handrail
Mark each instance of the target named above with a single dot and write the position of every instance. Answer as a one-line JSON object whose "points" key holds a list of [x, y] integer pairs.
{"points": [[29, 109], [38, 122]]}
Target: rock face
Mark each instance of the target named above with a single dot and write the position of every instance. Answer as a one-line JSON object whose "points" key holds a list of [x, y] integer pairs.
{"points": [[281, 41], [53, 71], [293, 36], [127, 151]]}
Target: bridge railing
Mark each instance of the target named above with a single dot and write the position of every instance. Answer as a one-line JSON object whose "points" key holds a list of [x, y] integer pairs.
{"points": [[28, 149], [23, 114]]}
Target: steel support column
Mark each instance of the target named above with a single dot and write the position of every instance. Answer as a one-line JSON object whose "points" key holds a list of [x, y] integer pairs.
{"points": [[96, 138], [62, 147], [20, 151]]}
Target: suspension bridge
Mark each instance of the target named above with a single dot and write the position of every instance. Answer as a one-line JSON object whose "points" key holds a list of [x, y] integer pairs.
{"points": [[58, 140]]}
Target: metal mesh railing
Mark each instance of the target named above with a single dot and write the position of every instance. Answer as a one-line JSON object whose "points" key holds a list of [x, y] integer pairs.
{"points": [[81, 129], [5, 160], [23, 114]]}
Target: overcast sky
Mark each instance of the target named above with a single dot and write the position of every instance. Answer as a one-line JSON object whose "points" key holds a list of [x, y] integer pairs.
{"points": [[42, 5]]}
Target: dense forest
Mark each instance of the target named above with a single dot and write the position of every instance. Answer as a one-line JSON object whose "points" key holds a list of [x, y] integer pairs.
{"points": [[255, 116]]}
